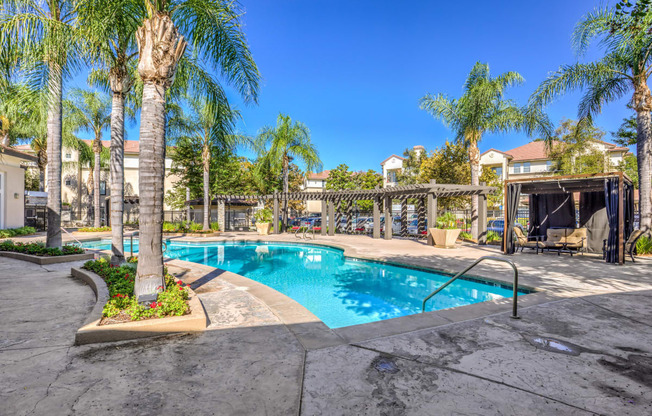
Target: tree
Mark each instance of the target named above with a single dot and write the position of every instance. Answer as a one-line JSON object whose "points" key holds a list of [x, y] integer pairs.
{"points": [[483, 109], [629, 165], [214, 32], [627, 132], [213, 126], [287, 141], [91, 111], [411, 166], [573, 150], [625, 36], [111, 25], [367, 180], [448, 164], [43, 38]]}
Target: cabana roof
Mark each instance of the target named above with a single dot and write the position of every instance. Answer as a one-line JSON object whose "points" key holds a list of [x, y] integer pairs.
{"points": [[566, 184]]}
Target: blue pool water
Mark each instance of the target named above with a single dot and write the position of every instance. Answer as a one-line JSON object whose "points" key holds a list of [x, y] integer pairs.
{"points": [[338, 290]]}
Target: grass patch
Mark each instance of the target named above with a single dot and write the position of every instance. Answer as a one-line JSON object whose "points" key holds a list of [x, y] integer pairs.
{"points": [[122, 304], [39, 249]]}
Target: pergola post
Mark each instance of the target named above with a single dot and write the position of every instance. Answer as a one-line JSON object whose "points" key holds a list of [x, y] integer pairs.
{"points": [[431, 216], [388, 218], [331, 217], [338, 215], [324, 214], [276, 213], [221, 214], [421, 216], [404, 219], [349, 217], [482, 217], [376, 218]]}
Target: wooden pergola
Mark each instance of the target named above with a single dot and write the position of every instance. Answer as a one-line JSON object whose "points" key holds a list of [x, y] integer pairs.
{"points": [[425, 194]]}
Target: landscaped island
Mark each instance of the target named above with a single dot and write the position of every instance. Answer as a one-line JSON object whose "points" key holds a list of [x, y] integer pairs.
{"points": [[122, 305], [39, 249]]}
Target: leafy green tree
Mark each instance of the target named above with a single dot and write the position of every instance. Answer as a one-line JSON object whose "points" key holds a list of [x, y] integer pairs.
{"points": [[624, 33], [409, 175], [367, 180], [627, 132], [573, 150], [90, 111], [45, 40], [484, 109], [213, 30], [280, 145], [447, 164], [629, 165]]}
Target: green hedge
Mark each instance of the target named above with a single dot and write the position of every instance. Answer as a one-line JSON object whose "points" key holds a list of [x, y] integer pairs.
{"points": [[15, 232], [39, 249]]}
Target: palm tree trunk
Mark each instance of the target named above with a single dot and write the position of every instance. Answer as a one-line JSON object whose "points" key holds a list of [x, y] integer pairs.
{"points": [[644, 159], [286, 187], [41, 179], [96, 190], [474, 160], [54, 130], [206, 160], [117, 177], [160, 47], [187, 203]]}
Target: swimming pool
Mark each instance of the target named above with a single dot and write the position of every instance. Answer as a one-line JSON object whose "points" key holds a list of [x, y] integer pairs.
{"points": [[340, 291]]}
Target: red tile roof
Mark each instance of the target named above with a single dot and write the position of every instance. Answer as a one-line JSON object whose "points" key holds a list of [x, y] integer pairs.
{"points": [[319, 175], [537, 150], [398, 157]]}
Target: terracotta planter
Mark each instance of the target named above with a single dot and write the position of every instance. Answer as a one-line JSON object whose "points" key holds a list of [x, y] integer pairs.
{"points": [[444, 238], [263, 228]]}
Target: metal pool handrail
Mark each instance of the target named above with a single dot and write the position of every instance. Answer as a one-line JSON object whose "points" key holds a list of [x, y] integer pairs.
{"points": [[73, 237], [475, 263]]}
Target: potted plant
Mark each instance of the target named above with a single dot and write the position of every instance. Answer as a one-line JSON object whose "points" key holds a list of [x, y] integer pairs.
{"points": [[263, 219], [446, 233]]}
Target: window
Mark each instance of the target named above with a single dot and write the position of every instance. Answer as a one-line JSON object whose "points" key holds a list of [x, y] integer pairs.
{"points": [[68, 155], [526, 167], [68, 182], [517, 168], [103, 188], [549, 165], [391, 176], [498, 171]]}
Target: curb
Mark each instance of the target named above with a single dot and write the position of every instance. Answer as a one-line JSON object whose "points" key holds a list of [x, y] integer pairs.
{"points": [[45, 260], [91, 332]]}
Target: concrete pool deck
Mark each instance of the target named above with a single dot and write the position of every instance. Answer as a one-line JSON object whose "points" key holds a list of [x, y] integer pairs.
{"points": [[251, 361]]}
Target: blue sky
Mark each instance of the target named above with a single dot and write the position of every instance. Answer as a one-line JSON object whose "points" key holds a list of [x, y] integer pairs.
{"points": [[353, 71]]}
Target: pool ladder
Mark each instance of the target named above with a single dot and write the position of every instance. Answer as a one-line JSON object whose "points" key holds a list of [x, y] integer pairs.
{"points": [[475, 263], [304, 233]]}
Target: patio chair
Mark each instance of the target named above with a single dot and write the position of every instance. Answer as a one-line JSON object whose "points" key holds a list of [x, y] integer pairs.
{"points": [[565, 240], [629, 245], [524, 241]]}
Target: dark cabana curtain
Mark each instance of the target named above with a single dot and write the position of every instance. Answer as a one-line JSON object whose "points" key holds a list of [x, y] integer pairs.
{"points": [[611, 203], [551, 211], [513, 197], [629, 210], [593, 217]]}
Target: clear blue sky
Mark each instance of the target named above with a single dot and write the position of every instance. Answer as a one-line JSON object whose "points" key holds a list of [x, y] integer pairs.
{"points": [[353, 71]]}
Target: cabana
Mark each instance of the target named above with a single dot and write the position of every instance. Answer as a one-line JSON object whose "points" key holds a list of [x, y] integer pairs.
{"points": [[606, 209]]}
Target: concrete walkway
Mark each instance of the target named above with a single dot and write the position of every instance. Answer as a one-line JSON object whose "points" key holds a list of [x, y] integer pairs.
{"points": [[571, 356]]}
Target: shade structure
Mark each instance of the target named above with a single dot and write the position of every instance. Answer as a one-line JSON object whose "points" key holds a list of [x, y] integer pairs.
{"points": [[606, 209]]}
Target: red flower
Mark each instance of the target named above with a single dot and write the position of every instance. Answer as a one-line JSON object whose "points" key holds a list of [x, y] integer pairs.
{"points": [[152, 305], [160, 304], [179, 282]]}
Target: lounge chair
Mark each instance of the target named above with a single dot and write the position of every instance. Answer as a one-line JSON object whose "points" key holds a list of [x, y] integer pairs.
{"points": [[629, 246], [524, 241], [565, 240]]}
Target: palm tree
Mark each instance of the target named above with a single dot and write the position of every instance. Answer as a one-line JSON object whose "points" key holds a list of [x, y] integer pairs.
{"points": [[111, 25], [287, 141], [624, 69], [214, 127], [483, 109], [48, 46], [213, 30], [91, 111], [39, 145]]}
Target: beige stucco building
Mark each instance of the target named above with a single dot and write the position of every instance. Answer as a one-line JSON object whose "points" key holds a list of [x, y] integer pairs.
{"points": [[12, 186], [70, 185], [315, 182]]}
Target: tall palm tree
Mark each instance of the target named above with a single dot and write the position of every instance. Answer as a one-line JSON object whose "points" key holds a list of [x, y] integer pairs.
{"points": [[214, 127], [624, 69], [45, 37], [111, 26], [212, 29], [91, 111], [483, 109], [287, 141]]}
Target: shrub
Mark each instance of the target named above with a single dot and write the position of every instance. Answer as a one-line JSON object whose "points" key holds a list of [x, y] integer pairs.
{"points": [[465, 236], [493, 236], [264, 215], [14, 232], [94, 229], [39, 249], [169, 227], [448, 221], [644, 245], [195, 227], [121, 280], [215, 226]]}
